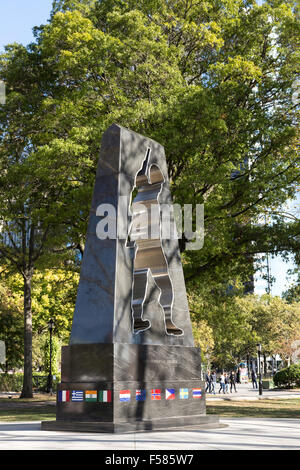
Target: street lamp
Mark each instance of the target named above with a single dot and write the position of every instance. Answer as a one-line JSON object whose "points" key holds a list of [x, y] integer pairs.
{"points": [[260, 390], [50, 328]]}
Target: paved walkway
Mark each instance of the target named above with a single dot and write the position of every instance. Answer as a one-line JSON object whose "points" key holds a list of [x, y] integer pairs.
{"points": [[246, 392], [241, 433]]}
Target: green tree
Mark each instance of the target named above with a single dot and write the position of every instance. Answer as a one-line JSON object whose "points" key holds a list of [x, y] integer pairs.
{"points": [[11, 327], [31, 227], [211, 81]]}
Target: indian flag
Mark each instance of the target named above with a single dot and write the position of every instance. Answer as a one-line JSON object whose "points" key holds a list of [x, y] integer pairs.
{"points": [[91, 395], [105, 396]]}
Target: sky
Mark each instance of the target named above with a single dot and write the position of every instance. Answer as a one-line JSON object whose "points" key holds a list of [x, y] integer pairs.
{"points": [[278, 267], [18, 17]]}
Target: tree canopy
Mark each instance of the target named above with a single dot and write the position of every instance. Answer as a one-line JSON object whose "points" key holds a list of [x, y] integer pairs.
{"points": [[211, 81]]}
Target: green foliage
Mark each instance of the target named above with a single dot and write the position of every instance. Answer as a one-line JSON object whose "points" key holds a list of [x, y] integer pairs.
{"points": [[238, 322], [11, 327], [11, 382], [288, 376], [212, 81], [14, 382], [53, 297]]}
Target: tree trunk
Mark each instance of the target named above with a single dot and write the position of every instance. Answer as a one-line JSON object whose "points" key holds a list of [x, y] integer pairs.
{"points": [[27, 381]]}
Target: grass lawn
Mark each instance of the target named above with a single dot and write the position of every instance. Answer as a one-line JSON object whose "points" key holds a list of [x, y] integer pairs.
{"points": [[42, 408], [39, 408], [280, 408]]}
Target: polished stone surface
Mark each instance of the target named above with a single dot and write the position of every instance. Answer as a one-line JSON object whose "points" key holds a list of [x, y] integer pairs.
{"points": [[105, 352], [126, 362], [131, 367], [103, 307], [198, 422]]}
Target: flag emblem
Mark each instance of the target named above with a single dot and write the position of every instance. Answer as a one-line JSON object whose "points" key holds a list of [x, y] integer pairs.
{"points": [[105, 396], [183, 393], [155, 394], [77, 395], [64, 395], [197, 393], [170, 394], [91, 395], [140, 395], [124, 395]]}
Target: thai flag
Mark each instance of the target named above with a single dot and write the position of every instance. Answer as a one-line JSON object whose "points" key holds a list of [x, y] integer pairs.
{"points": [[155, 394], [77, 395], [64, 395], [140, 395], [170, 394], [124, 395], [197, 393]]}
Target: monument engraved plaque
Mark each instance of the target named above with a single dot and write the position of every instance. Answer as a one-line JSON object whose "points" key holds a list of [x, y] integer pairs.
{"points": [[131, 363]]}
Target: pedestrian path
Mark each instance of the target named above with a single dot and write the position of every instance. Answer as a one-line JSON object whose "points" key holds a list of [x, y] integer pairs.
{"points": [[239, 434], [247, 392]]}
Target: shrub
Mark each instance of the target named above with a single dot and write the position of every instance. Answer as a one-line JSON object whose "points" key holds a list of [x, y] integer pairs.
{"points": [[14, 382], [288, 376], [11, 382]]}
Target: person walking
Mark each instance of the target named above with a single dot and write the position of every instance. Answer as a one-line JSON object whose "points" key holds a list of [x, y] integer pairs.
{"points": [[253, 378], [213, 382], [208, 382], [232, 381], [222, 383]]}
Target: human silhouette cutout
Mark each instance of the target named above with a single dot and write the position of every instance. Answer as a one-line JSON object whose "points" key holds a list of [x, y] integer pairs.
{"points": [[145, 236]]}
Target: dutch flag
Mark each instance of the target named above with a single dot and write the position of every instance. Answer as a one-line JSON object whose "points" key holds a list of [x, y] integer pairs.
{"points": [[124, 395]]}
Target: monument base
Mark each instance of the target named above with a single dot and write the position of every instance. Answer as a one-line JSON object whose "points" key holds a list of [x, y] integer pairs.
{"points": [[129, 388], [175, 424]]}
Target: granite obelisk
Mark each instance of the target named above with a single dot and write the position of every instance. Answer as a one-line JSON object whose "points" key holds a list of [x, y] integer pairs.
{"points": [[131, 363]]}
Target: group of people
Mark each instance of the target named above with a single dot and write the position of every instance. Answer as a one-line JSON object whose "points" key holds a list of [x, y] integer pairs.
{"points": [[224, 381]]}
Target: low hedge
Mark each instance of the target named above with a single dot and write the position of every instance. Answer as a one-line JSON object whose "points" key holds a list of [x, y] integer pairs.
{"points": [[288, 376], [11, 382], [14, 382]]}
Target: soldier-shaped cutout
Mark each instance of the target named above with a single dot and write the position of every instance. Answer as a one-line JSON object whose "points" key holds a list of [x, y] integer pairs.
{"points": [[145, 236]]}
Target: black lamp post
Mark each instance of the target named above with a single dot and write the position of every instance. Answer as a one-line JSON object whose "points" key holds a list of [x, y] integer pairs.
{"points": [[260, 389], [50, 328]]}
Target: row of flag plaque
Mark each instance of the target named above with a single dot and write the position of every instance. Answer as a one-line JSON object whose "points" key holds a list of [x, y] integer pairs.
{"points": [[105, 396]]}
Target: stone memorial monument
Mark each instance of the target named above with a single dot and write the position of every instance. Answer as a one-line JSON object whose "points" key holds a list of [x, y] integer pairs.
{"points": [[131, 363]]}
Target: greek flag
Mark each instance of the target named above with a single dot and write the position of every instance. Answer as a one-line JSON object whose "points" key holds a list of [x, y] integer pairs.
{"points": [[77, 395]]}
